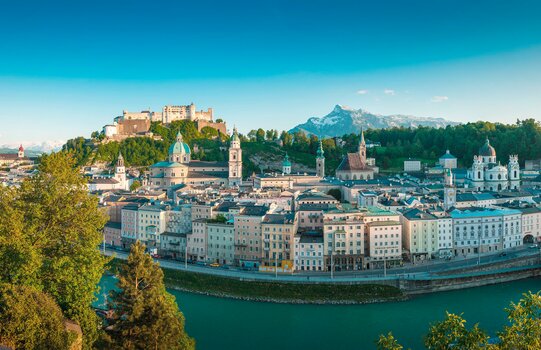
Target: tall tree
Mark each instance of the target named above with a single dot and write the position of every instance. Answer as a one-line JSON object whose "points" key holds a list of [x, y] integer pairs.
{"points": [[30, 319], [64, 224], [146, 316]]}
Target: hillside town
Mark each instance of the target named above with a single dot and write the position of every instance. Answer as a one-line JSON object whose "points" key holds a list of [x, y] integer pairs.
{"points": [[355, 219]]}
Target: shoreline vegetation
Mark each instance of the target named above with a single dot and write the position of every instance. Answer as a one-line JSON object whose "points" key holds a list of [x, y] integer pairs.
{"points": [[276, 292]]}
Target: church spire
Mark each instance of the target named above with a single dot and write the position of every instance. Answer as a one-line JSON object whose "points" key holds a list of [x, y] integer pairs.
{"points": [[120, 160]]}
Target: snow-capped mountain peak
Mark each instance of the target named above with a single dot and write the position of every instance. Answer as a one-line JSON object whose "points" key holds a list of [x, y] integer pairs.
{"points": [[344, 120]]}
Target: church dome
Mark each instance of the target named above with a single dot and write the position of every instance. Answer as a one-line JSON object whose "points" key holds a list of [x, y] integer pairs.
{"points": [[179, 147], [487, 150], [286, 161]]}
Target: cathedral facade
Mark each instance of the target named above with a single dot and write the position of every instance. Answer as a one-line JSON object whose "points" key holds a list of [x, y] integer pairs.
{"points": [[486, 174], [179, 168]]}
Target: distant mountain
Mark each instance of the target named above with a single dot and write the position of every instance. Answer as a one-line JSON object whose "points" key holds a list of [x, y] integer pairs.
{"points": [[344, 120], [33, 149]]}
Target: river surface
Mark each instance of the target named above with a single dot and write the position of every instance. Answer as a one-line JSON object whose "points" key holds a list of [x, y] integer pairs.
{"points": [[227, 324]]}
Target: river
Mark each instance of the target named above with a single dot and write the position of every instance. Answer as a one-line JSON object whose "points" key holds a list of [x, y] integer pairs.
{"points": [[226, 324]]}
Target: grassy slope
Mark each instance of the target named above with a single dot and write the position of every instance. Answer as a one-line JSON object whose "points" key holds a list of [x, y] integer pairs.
{"points": [[275, 291]]}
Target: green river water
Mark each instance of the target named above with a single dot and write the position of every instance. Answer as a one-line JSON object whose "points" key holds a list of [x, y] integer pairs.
{"points": [[226, 324]]}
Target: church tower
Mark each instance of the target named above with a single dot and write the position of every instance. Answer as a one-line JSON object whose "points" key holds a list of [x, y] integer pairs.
{"points": [[320, 161], [20, 154], [235, 160], [120, 173], [286, 166], [362, 148], [513, 171], [449, 190]]}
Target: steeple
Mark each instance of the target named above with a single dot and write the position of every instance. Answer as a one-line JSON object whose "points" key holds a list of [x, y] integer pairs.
{"points": [[320, 152], [120, 160], [320, 161], [179, 136], [362, 148]]}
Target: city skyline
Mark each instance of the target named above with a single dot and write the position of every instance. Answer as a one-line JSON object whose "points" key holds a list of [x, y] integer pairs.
{"points": [[81, 67]]}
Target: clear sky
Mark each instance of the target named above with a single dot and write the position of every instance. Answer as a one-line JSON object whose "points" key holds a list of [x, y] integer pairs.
{"points": [[69, 67]]}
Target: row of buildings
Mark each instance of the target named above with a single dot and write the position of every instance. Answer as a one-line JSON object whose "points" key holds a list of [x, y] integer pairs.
{"points": [[312, 231]]}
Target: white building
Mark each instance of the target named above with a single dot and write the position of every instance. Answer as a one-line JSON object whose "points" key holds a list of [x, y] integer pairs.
{"points": [[481, 230], [384, 243], [308, 252], [412, 165], [486, 174], [221, 242]]}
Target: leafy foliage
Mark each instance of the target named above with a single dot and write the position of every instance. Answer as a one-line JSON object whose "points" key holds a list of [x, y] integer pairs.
{"points": [[30, 319], [49, 232], [146, 316], [522, 333], [388, 342], [452, 333]]}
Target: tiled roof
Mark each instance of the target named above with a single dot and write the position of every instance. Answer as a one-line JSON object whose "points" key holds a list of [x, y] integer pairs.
{"points": [[352, 161]]}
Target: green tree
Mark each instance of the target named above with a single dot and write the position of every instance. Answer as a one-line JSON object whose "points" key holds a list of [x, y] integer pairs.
{"points": [[388, 342], [260, 135], [524, 331], [64, 224], [19, 260], [135, 185], [30, 319], [146, 316], [452, 333]]}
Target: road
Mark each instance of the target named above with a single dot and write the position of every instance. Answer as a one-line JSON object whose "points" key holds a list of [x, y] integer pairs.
{"points": [[408, 271]]}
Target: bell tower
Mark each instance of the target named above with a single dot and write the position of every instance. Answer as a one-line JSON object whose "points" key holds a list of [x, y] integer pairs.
{"points": [[320, 161], [235, 160], [449, 190]]}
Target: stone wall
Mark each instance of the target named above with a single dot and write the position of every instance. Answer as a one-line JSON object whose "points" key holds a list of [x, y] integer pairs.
{"points": [[217, 126]]}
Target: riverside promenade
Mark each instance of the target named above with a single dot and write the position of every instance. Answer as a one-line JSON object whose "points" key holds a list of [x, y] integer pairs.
{"points": [[515, 262]]}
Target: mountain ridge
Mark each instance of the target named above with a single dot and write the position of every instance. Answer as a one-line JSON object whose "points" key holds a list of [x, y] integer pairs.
{"points": [[344, 120]]}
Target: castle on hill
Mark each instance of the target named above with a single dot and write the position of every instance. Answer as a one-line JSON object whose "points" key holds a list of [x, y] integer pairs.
{"points": [[131, 124]]}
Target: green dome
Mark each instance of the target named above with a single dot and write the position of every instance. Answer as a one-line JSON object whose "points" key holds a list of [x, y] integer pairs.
{"points": [[235, 136], [286, 161], [179, 146]]}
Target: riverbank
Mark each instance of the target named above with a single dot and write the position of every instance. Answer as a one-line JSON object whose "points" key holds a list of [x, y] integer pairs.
{"points": [[276, 292]]}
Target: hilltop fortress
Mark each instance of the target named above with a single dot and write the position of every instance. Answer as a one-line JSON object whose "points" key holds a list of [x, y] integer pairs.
{"points": [[131, 124]]}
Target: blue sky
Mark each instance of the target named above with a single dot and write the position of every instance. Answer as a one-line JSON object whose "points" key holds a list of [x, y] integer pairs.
{"points": [[68, 67]]}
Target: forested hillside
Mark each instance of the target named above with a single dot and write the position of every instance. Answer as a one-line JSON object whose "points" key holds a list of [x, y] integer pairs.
{"points": [[262, 150]]}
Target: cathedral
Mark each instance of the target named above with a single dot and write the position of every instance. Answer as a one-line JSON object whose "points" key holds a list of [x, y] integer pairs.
{"points": [[179, 168], [486, 174]]}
